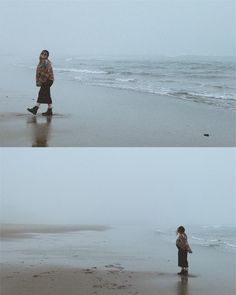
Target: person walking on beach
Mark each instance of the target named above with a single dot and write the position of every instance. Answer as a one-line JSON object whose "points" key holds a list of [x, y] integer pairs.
{"points": [[44, 80], [184, 248]]}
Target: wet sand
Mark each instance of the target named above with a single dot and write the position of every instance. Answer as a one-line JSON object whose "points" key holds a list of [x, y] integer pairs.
{"points": [[28, 274], [101, 117], [113, 280]]}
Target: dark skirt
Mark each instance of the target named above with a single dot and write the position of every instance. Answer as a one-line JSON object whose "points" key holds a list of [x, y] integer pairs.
{"points": [[44, 93], [182, 258]]}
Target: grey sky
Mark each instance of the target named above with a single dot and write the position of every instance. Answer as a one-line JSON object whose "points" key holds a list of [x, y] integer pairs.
{"points": [[110, 186], [118, 27]]}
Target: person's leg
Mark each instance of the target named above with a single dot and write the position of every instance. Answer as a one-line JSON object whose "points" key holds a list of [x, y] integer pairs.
{"points": [[34, 109], [49, 111], [185, 262], [49, 99], [182, 262]]}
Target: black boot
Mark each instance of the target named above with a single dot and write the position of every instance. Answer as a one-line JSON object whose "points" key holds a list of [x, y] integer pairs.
{"points": [[48, 112], [33, 110], [183, 272]]}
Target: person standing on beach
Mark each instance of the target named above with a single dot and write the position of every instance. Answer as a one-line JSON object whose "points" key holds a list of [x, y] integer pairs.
{"points": [[44, 80], [184, 248]]}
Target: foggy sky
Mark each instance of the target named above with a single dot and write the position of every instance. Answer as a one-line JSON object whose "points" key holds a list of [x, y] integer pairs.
{"points": [[118, 186], [118, 27]]}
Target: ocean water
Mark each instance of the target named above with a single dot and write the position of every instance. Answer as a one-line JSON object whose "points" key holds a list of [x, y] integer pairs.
{"points": [[200, 79], [218, 237]]}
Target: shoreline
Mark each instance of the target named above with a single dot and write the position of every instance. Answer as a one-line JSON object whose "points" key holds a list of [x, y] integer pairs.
{"points": [[95, 116]]}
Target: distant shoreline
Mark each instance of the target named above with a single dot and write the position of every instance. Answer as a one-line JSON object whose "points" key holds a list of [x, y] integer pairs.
{"points": [[14, 231]]}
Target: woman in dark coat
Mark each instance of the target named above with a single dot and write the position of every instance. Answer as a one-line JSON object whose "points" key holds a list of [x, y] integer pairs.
{"points": [[184, 248], [44, 80]]}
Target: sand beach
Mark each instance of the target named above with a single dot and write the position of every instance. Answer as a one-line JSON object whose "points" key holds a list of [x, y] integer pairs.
{"points": [[96, 116], [56, 259]]}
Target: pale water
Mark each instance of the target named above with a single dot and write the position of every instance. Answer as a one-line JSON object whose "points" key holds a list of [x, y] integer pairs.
{"points": [[218, 237], [208, 80]]}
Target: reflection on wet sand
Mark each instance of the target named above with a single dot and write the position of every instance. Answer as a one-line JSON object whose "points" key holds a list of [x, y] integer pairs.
{"points": [[40, 131], [182, 286]]}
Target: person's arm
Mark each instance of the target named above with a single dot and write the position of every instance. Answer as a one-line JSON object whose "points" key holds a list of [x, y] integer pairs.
{"points": [[178, 243], [47, 73], [38, 82], [188, 248]]}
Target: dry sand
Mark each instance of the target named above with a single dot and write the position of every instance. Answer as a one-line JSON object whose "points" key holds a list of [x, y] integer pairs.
{"points": [[97, 117]]}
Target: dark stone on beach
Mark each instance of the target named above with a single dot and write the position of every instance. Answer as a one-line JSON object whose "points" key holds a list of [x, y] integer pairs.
{"points": [[122, 287], [206, 134]]}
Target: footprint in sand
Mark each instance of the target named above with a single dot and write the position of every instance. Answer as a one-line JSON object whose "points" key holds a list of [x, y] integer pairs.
{"points": [[87, 270], [42, 274], [97, 286]]}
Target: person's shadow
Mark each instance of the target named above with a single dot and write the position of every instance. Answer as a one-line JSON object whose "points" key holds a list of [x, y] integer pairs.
{"points": [[182, 286], [40, 131]]}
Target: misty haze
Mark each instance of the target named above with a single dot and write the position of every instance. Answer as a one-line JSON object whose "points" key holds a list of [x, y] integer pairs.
{"points": [[118, 186], [95, 27]]}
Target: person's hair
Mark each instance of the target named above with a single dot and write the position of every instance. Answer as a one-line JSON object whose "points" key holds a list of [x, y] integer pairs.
{"points": [[180, 229], [46, 51]]}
